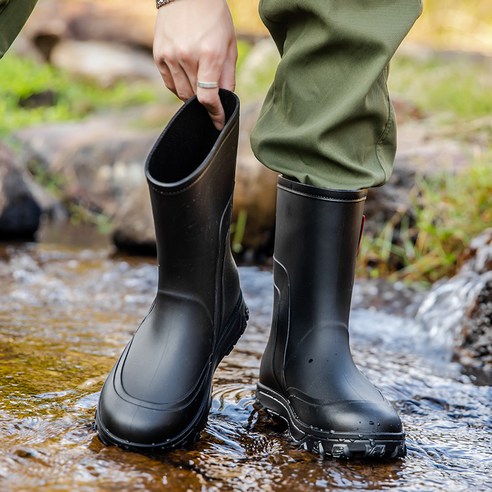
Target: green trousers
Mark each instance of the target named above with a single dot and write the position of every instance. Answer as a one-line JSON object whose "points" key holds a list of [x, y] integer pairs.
{"points": [[13, 15], [327, 119]]}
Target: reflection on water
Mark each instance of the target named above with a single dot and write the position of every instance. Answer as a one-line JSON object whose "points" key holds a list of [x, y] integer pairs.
{"points": [[65, 316]]}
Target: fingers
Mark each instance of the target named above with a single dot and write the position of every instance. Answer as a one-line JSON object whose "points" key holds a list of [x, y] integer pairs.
{"points": [[166, 76], [209, 70], [176, 77], [181, 80], [181, 74], [195, 41]]}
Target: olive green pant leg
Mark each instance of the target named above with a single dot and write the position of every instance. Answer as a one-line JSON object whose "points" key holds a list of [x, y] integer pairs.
{"points": [[327, 119], [13, 15]]}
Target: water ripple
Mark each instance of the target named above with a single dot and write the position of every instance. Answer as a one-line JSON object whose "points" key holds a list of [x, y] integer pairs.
{"points": [[66, 314]]}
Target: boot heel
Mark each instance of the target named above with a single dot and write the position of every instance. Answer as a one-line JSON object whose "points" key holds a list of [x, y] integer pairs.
{"points": [[233, 330]]}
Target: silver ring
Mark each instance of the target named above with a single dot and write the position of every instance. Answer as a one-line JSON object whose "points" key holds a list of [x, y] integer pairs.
{"points": [[207, 85]]}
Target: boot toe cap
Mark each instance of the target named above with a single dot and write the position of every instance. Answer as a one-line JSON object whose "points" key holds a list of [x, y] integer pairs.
{"points": [[355, 416], [143, 426]]}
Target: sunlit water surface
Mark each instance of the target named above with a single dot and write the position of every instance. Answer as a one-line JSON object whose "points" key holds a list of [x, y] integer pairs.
{"points": [[65, 315]]}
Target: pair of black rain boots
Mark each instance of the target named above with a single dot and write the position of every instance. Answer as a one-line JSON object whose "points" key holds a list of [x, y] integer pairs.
{"points": [[158, 395]]}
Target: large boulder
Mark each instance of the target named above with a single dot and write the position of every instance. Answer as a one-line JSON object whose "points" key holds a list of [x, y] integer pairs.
{"points": [[133, 226], [457, 313], [97, 163], [473, 347]]}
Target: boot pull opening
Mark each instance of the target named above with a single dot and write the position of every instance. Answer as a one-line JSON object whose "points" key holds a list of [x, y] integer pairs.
{"points": [[187, 140]]}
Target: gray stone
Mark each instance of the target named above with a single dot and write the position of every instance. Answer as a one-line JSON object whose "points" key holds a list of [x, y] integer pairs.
{"points": [[457, 312], [478, 256], [133, 225], [20, 212], [97, 163], [473, 347]]}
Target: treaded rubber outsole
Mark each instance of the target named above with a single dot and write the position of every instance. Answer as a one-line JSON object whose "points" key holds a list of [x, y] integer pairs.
{"points": [[331, 444], [192, 434]]}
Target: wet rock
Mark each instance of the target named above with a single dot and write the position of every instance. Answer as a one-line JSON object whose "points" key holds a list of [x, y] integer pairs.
{"points": [[104, 62], [478, 256], [474, 351], [458, 312], [21, 201], [474, 346]]}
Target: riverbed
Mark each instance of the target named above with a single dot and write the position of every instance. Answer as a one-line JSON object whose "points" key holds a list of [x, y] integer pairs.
{"points": [[67, 312]]}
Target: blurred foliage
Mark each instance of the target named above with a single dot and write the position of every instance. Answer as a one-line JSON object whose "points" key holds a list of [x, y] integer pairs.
{"points": [[69, 97], [454, 93], [458, 85], [450, 210], [463, 25], [451, 90]]}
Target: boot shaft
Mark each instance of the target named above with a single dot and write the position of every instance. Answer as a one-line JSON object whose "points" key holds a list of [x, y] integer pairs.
{"points": [[316, 241], [190, 172]]}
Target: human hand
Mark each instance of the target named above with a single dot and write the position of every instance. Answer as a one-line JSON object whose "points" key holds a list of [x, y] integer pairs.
{"points": [[194, 40]]}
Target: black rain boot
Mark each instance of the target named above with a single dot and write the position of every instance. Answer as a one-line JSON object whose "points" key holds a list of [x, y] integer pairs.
{"points": [[307, 375], [158, 395]]}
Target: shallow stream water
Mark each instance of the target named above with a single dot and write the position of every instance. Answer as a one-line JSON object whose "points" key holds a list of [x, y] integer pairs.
{"points": [[65, 315]]}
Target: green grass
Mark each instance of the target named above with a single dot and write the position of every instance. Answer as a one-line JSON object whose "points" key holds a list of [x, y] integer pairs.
{"points": [[450, 210], [459, 88], [74, 98]]}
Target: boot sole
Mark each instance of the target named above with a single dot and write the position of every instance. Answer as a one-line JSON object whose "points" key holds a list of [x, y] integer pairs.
{"points": [[232, 332], [330, 444]]}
